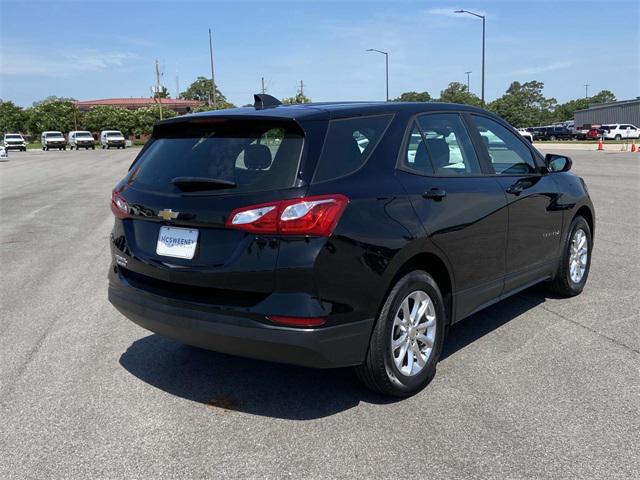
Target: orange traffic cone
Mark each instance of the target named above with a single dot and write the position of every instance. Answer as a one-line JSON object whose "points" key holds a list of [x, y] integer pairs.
{"points": [[633, 147], [600, 146]]}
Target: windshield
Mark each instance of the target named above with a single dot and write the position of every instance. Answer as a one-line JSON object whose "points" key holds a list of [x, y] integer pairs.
{"points": [[255, 156], [113, 134], [83, 134], [53, 134], [13, 137]]}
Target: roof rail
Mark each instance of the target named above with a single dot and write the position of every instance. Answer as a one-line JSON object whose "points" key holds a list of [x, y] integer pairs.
{"points": [[262, 100]]}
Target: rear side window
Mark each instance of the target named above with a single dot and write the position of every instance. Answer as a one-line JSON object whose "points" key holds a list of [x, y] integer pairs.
{"points": [[348, 144], [243, 156]]}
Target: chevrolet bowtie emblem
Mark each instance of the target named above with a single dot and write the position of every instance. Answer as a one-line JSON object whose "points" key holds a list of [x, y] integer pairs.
{"points": [[168, 214]]}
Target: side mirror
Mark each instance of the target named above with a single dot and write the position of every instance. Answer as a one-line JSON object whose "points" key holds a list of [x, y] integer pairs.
{"points": [[557, 163]]}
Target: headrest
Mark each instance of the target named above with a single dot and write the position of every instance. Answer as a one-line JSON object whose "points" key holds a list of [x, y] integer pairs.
{"points": [[257, 157], [439, 149]]}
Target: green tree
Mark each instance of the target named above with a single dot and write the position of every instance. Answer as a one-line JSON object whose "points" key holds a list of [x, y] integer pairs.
{"points": [[146, 117], [200, 90], [457, 92], [53, 98], [299, 98], [105, 117], [524, 105], [413, 97], [53, 115], [603, 96], [163, 93], [12, 118]]}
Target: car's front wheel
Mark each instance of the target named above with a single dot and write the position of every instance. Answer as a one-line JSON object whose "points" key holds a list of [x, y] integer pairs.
{"points": [[575, 262], [406, 342]]}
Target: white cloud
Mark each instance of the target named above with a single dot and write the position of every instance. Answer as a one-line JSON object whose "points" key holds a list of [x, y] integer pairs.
{"points": [[542, 68], [59, 64]]}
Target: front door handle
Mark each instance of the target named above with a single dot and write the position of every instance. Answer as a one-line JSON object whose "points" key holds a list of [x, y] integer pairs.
{"points": [[515, 189], [435, 194]]}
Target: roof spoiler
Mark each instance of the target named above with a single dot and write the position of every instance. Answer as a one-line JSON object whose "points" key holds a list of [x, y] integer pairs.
{"points": [[262, 100]]}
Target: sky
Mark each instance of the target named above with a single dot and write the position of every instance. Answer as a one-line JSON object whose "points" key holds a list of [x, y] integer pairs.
{"points": [[96, 49]]}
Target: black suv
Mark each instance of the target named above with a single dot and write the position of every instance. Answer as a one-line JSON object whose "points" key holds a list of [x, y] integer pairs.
{"points": [[342, 234]]}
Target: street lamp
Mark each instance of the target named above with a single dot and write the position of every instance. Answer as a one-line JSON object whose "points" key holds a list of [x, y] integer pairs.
{"points": [[468, 84], [386, 60], [483, 31]]}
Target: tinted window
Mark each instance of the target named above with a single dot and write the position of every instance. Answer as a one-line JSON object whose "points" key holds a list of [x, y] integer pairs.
{"points": [[508, 153], [416, 156], [348, 144], [256, 156], [447, 145]]}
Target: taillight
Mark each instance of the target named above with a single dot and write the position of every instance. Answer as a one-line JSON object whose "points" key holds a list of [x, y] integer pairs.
{"points": [[298, 321], [316, 216], [119, 205]]}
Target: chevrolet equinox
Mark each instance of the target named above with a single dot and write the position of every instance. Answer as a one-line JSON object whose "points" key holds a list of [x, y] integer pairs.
{"points": [[340, 234]]}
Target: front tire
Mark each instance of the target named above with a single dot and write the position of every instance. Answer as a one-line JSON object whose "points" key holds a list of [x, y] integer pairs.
{"points": [[618, 137], [407, 340], [575, 262]]}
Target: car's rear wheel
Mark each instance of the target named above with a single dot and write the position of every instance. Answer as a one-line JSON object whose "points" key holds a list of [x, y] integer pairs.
{"points": [[618, 137], [575, 262], [406, 342]]}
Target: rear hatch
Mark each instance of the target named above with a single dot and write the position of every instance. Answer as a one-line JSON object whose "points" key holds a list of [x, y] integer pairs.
{"points": [[181, 190]]}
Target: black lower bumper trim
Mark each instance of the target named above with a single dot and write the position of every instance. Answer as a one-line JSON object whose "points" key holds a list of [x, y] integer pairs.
{"points": [[227, 332]]}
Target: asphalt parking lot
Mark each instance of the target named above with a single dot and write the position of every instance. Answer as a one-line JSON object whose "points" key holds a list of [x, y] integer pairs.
{"points": [[533, 387]]}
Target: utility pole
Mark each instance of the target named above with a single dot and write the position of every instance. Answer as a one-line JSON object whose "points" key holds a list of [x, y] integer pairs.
{"points": [[158, 99], [468, 85], [177, 86], [586, 90], [213, 77], [264, 90]]}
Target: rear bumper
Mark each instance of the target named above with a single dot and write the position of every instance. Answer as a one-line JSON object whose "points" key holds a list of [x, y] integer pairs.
{"points": [[235, 332]]}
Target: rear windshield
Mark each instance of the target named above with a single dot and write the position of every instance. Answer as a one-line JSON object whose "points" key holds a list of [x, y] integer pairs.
{"points": [[243, 156]]}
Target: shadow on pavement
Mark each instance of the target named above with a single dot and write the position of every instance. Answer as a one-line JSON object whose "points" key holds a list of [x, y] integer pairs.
{"points": [[284, 391]]}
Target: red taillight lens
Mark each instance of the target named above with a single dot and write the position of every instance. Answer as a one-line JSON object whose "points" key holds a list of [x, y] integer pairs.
{"points": [[298, 321], [316, 216], [119, 205]]}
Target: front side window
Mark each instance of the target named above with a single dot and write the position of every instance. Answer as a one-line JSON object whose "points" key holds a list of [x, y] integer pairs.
{"points": [[440, 145], [348, 144], [508, 153]]}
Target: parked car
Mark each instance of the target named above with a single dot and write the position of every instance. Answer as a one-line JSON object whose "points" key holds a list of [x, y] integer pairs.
{"points": [[112, 138], [14, 141], [321, 253], [81, 139], [4, 156], [526, 134], [593, 133], [53, 139], [558, 132], [618, 131]]}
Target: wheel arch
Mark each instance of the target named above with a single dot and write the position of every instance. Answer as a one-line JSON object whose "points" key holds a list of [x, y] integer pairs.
{"points": [[585, 212]]}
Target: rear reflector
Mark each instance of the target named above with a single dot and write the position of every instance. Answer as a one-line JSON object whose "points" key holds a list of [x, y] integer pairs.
{"points": [[316, 216], [298, 321]]}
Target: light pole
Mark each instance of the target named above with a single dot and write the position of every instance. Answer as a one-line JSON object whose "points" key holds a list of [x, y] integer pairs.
{"points": [[386, 62], [586, 90], [483, 36], [213, 77], [468, 84]]}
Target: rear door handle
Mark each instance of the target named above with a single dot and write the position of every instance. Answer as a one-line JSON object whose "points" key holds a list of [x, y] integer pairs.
{"points": [[435, 194], [515, 189]]}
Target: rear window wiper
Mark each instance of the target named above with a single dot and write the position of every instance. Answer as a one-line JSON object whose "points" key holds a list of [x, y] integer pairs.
{"points": [[198, 184]]}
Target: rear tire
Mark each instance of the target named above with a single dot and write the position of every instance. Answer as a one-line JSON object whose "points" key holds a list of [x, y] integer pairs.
{"points": [[573, 270], [383, 371], [618, 137]]}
